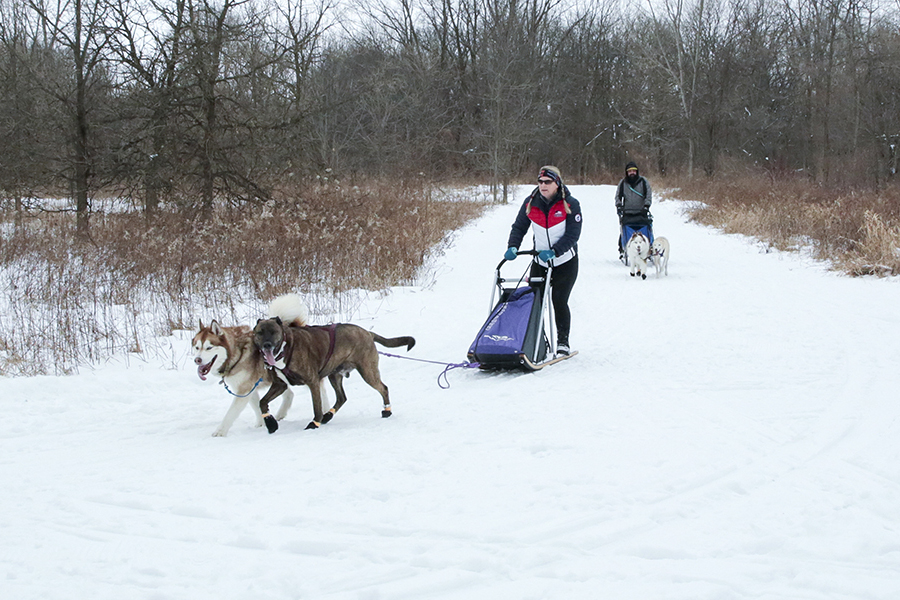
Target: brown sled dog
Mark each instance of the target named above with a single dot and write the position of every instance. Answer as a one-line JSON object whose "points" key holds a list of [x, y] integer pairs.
{"points": [[307, 355]]}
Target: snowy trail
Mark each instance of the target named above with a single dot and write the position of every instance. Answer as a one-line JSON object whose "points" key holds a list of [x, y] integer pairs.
{"points": [[728, 431]]}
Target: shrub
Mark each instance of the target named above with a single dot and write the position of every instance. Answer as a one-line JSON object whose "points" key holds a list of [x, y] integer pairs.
{"points": [[66, 304], [856, 230]]}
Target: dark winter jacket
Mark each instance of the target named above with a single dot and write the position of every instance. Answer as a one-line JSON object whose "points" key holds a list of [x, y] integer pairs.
{"points": [[556, 224], [633, 198]]}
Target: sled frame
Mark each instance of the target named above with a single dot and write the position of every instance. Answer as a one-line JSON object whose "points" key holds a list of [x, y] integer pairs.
{"points": [[546, 330]]}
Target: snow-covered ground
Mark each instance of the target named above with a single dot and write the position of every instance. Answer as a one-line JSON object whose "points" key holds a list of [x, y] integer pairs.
{"points": [[731, 431]]}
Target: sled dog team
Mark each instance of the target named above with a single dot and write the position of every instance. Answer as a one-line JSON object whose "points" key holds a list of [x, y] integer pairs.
{"points": [[639, 250], [283, 351]]}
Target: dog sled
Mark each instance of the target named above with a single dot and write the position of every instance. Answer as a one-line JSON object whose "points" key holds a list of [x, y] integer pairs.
{"points": [[642, 225], [518, 331]]}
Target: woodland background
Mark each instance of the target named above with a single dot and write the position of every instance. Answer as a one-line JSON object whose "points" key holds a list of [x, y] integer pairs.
{"points": [[188, 102]]}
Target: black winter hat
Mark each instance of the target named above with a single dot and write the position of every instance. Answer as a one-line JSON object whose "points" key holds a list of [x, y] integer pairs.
{"points": [[631, 165], [551, 172]]}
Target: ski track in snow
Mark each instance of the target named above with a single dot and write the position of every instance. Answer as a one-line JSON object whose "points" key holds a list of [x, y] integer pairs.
{"points": [[727, 432]]}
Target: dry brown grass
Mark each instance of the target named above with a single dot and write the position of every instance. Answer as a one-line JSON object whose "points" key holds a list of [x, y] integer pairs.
{"points": [[856, 230], [67, 304]]}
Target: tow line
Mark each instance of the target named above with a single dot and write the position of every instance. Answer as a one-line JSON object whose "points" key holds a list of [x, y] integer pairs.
{"points": [[447, 367]]}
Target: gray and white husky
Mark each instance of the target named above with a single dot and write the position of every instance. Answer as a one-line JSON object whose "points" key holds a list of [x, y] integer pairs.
{"points": [[638, 249], [229, 353]]}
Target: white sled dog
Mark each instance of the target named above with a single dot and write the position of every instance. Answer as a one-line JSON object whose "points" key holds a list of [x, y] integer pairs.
{"points": [[229, 353], [660, 254], [638, 249]]}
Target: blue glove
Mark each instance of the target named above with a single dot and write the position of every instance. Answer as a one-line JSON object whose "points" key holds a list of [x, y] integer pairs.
{"points": [[547, 255], [511, 253]]}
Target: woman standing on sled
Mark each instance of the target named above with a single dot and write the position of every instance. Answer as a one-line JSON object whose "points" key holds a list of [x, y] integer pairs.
{"points": [[555, 219]]}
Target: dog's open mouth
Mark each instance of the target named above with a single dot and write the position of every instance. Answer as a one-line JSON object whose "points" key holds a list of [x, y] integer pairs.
{"points": [[203, 370], [269, 357]]}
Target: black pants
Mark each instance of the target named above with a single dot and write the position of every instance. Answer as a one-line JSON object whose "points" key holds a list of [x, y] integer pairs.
{"points": [[561, 283]]}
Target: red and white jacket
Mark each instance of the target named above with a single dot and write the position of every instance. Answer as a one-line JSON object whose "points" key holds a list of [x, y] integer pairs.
{"points": [[556, 225]]}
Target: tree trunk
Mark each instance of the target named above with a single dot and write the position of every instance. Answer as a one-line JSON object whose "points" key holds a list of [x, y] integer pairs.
{"points": [[82, 157]]}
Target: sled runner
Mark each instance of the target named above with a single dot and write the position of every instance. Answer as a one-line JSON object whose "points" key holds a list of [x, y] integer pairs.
{"points": [[519, 328]]}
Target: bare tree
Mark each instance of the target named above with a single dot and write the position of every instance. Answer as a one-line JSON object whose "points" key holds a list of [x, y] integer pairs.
{"points": [[719, 78], [149, 41], [514, 81], [678, 45], [456, 45], [17, 167], [878, 88], [598, 78], [79, 28], [301, 34], [299, 38], [816, 38], [216, 39]]}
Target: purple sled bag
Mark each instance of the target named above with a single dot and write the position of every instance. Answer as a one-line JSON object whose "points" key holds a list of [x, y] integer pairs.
{"points": [[510, 331]]}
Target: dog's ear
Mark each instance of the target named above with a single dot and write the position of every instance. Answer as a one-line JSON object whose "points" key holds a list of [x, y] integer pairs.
{"points": [[278, 320], [258, 320], [201, 324], [215, 328]]}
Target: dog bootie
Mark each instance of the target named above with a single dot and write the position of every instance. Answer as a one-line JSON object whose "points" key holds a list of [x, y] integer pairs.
{"points": [[271, 423]]}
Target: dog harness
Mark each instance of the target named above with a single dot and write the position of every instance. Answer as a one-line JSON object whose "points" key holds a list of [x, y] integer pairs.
{"points": [[288, 350]]}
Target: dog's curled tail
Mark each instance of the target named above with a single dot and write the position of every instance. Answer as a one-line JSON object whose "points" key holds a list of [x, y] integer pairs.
{"points": [[290, 308], [396, 342]]}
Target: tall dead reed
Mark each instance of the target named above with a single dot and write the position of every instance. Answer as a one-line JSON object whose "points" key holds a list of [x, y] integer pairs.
{"points": [[65, 303], [856, 230]]}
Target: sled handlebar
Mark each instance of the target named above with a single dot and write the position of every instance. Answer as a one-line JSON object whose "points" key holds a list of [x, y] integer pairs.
{"points": [[519, 253], [499, 281]]}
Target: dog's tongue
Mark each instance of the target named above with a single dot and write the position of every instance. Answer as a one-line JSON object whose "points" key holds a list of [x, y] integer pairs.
{"points": [[269, 357], [203, 370]]}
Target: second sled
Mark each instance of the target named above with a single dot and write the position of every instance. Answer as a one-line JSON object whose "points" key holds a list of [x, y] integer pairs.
{"points": [[643, 226]]}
